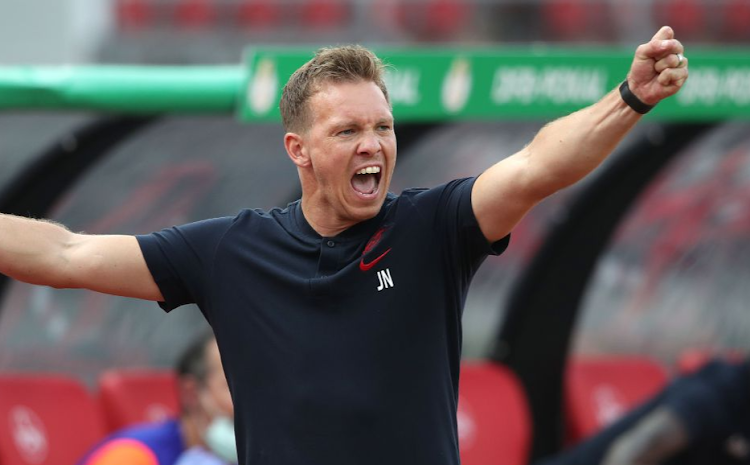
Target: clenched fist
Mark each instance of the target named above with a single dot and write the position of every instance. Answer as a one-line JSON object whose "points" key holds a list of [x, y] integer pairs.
{"points": [[659, 68]]}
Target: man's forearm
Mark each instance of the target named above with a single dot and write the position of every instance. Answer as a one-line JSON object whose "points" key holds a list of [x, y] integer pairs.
{"points": [[569, 148], [32, 250]]}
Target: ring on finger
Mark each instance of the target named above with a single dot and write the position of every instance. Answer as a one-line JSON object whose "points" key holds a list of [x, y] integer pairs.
{"points": [[680, 59]]}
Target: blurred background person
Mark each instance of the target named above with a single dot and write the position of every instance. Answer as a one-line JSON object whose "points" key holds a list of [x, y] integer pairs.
{"points": [[204, 430], [699, 418]]}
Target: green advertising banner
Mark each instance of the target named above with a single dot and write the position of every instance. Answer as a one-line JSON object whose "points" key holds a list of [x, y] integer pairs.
{"points": [[425, 85], [529, 83], [122, 89]]}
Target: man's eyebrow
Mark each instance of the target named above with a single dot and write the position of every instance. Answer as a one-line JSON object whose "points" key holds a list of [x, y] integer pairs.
{"points": [[343, 124], [354, 123]]}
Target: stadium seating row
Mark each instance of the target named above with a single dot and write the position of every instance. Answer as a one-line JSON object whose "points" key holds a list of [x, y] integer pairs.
{"points": [[693, 19], [443, 16], [202, 14], [52, 419], [562, 19]]}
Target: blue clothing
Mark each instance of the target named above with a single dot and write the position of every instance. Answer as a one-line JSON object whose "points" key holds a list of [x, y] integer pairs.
{"points": [[163, 441], [199, 456], [714, 403], [337, 350]]}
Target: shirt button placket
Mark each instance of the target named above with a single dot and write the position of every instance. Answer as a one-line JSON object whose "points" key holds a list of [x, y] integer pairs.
{"points": [[328, 258]]}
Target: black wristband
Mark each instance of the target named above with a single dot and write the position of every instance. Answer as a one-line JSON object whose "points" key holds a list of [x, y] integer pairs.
{"points": [[633, 101]]}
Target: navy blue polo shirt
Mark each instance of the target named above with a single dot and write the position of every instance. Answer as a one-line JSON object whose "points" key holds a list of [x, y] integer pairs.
{"points": [[338, 350]]}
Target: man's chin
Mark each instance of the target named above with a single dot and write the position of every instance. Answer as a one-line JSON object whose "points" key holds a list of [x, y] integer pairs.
{"points": [[367, 210]]}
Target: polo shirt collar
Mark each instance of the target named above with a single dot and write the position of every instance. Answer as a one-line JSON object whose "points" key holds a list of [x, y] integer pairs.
{"points": [[362, 230]]}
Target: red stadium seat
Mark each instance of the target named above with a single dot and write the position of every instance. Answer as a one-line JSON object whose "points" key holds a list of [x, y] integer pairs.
{"points": [[134, 14], [321, 14], [423, 19], [46, 420], [599, 391], [259, 14], [736, 20], [446, 17], [195, 14], [494, 424], [577, 20], [687, 17], [566, 19], [137, 396]]}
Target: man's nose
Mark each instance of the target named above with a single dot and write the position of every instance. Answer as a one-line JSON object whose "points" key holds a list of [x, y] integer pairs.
{"points": [[369, 144]]}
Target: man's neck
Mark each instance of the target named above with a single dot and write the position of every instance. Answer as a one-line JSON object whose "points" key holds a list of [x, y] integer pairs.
{"points": [[323, 220], [192, 430]]}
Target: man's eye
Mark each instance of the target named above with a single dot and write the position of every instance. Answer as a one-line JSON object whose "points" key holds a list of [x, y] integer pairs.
{"points": [[346, 132]]}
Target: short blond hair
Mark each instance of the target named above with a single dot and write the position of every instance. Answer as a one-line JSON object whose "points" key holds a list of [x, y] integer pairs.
{"points": [[348, 63]]}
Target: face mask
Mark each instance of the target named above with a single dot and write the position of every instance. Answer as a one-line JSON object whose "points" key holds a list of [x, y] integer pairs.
{"points": [[220, 439]]}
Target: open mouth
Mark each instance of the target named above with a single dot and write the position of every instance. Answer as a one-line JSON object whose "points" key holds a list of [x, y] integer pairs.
{"points": [[366, 180]]}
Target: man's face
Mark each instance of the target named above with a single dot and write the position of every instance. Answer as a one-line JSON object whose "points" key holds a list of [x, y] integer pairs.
{"points": [[352, 149]]}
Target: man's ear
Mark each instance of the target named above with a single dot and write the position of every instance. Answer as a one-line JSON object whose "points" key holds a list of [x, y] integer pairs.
{"points": [[295, 148]]}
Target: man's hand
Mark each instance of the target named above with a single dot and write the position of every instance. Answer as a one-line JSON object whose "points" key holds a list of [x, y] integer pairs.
{"points": [[569, 148], [659, 68]]}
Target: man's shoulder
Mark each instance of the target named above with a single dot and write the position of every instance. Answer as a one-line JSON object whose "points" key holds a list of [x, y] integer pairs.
{"points": [[414, 194], [257, 223], [250, 217], [274, 214]]}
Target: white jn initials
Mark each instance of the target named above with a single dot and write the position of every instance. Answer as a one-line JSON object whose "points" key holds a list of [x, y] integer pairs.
{"points": [[384, 277]]}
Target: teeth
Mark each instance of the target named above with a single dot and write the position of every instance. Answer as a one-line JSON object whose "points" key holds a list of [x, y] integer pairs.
{"points": [[369, 170]]}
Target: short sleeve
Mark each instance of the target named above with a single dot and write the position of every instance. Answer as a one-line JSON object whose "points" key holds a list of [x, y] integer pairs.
{"points": [[181, 260], [459, 208], [449, 208], [450, 218]]}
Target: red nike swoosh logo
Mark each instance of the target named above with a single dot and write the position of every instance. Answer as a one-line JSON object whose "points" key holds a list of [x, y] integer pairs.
{"points": [[366, 266]]}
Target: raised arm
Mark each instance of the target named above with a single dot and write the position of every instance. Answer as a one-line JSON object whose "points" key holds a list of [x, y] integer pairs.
{"points": [[45, 253], [569, 148]]}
